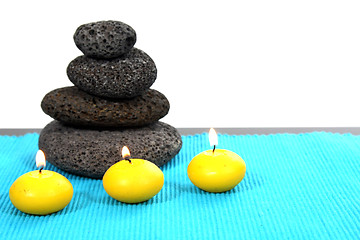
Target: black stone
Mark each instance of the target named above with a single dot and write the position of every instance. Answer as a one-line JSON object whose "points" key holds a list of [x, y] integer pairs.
{"points": [[75, 107], [90, 153], [123, 77], [105, 39]]}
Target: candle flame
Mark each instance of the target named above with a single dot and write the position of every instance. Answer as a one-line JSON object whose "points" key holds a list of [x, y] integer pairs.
{"points": [[213, 137], [40, 159], [125, 152]]}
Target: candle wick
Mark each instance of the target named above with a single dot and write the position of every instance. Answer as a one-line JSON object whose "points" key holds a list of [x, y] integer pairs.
{"points": [[41, 169], [214, 148], [127, 159]]}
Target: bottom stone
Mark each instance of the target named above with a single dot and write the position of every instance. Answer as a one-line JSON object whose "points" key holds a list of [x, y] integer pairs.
{"points": [[90, 153]]}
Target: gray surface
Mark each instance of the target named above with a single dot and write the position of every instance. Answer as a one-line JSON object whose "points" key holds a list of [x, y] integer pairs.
{"points": [[234, 131]]}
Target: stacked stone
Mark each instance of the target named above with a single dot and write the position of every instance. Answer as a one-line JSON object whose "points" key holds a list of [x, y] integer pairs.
{"points": [[110, 106]]}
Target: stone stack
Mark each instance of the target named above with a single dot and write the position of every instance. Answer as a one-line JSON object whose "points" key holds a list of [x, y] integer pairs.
{"points": [[110, 106]]}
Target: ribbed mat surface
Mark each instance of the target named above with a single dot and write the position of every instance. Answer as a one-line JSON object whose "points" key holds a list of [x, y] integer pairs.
{"points": [[297, 186]]}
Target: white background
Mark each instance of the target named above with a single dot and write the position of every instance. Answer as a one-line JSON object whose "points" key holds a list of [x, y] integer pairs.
{"points": [[220, 63]]}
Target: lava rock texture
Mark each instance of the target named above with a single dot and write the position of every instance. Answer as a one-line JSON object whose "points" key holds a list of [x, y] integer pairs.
{"points": [[90, 153], [124, 77], [75, 107], [105, 39]]}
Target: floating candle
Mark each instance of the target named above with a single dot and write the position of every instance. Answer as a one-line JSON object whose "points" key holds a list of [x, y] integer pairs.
{"points": [[216, 170], [41, 192], [133, 180]]}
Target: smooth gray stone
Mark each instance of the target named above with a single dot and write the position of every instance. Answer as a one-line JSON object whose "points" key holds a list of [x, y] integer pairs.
{"points": [[105, 39], [78, 108], [90, 153], [125, 77]]}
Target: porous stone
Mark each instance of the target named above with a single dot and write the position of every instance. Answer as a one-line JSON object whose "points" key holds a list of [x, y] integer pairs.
{"points": [[90, 153], [75, 107], [124, 77], [105, 39]]}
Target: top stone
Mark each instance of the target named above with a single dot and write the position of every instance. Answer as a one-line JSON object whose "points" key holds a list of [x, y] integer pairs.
{"points": [[105, 39]]}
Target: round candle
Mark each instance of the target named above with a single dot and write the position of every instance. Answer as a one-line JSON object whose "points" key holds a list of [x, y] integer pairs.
{"points": [[216, 170], [41, 192], [133, 180]]}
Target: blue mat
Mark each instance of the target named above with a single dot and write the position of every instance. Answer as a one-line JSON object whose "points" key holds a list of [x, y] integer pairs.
{"points": [[297, 186]]}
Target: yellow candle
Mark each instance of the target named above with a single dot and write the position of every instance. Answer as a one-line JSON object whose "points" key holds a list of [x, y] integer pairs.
{"points": [[216, 170], [133, 180], [41, 192]]}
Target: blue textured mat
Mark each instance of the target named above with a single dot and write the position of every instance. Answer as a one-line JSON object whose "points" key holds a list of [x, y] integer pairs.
{"points": [[304, 186]]}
